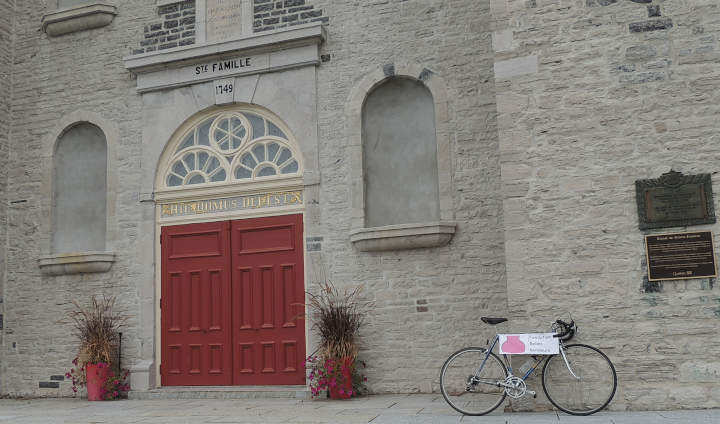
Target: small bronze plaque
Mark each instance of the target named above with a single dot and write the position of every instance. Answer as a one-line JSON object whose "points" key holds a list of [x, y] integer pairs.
{"points": [[680, 256], [675, 200]]}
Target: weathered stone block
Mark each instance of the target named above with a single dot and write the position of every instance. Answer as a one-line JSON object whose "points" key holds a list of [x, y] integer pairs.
{"points": [[651, 25]]}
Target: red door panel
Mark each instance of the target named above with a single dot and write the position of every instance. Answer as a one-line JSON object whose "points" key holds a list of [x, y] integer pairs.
{"points": [[195, 302], [268, 292], [232, 295]]}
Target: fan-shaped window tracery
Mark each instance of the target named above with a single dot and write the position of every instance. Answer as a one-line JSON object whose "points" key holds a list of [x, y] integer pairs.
{"points": [[232, 147]]}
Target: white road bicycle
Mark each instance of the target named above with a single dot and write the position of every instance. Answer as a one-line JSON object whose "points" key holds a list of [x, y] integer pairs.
{"points": [[579, 380]]}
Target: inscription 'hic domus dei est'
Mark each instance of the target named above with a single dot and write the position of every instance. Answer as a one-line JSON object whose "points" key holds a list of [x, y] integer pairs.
{"points": [[457, 159]]}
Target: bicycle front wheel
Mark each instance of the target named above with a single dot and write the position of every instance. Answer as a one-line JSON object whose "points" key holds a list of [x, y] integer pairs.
{"points": [[589, 390], [470, 383]]}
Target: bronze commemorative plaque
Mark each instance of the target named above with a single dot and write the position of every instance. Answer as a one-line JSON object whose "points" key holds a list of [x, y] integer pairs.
{"points": [[680, 256], [675, 200]]}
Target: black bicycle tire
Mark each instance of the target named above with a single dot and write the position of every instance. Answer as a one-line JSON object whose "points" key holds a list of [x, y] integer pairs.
{"points": [[442, 388], [612, 394]]}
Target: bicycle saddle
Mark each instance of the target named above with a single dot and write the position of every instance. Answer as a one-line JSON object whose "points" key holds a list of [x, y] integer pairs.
{"points": [[492, 321]]}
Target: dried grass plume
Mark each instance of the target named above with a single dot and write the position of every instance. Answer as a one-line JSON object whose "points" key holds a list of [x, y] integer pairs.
{"points": [[337, 317], [97, 327]]}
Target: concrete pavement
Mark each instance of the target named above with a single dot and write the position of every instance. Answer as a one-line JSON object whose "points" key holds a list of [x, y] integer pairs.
{"points": [[379, 409]]}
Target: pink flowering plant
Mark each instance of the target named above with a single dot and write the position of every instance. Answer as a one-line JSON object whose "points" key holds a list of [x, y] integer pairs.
{"points": [[336, 316], [326, 374], [97, 328], [115, 386]]}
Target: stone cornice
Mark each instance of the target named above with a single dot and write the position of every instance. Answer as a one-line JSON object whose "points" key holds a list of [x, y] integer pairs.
{"points": [[300, 35], [194, 64]]}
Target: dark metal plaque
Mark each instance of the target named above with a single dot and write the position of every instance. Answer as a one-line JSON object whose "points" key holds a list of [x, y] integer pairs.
{"points": [[680, 256], [675, 200]]}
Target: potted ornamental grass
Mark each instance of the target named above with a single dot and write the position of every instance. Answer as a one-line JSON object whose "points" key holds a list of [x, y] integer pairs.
{"points": [[97, 365], [336, 316]]}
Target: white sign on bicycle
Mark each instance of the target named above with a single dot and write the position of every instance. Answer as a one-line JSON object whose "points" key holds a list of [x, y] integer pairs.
{"points": [[529, 344]]}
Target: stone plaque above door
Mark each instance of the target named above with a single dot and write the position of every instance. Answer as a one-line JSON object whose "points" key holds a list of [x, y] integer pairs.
{"points": [[223, 20]]}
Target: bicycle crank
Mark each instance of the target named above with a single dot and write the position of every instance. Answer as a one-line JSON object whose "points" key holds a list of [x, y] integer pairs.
{"points": [[516, 388]]}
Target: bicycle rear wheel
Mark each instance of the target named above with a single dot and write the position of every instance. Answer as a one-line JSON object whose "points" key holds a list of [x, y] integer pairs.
{"points": [[469, 389], [591, 391]]}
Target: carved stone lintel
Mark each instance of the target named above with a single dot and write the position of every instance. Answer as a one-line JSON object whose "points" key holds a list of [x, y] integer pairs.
{"points": [[81, 18], [675, 200]]}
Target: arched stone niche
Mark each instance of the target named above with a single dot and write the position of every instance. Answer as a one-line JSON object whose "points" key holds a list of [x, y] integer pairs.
{"points": [[379, 110], [79, 190], [78, 196]]}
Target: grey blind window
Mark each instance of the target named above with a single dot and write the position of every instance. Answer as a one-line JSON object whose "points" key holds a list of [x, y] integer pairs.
{"points": [[80, 190], [400, 154]]}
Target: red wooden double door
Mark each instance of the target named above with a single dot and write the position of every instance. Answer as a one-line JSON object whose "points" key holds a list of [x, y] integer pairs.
{"points": [[231, 303]]}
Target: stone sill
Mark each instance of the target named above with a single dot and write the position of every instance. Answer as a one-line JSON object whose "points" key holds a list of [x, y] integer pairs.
{"points": [[404, 236], [76, 263], [79, 18]]}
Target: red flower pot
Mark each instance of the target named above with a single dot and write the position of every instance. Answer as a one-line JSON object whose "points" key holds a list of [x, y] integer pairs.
{"points": [[343, 388], [96, 376]]}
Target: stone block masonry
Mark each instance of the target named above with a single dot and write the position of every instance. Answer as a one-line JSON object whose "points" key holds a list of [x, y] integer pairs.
{"points": [[624, 90], [7, 16], [176, 24], [427, 301], [275, 14], [174, 28], [80, 72], [555, 108]]}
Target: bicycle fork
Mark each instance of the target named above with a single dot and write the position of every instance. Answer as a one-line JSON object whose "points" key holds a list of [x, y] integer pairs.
{"points": [[562, 352]]}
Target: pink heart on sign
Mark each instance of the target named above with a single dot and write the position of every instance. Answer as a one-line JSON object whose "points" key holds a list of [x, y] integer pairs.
{"points": [[513, 345]]}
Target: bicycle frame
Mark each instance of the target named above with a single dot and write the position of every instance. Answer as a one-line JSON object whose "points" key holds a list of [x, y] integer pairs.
{"points": [[529, 372], [488, 388]]}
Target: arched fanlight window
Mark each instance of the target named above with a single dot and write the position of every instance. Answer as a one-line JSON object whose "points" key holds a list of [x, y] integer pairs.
{"points": [[232, 147]]}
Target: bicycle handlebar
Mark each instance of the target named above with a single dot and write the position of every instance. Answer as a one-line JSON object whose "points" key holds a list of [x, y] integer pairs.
{"points": [[567, 329]]}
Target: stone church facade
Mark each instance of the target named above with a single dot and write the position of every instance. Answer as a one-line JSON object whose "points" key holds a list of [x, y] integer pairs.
{"points": [[455, 158]]}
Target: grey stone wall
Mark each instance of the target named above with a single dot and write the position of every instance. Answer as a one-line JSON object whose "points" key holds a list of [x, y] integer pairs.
{"points": [[174, 27], [591, 96], [275, 14], [82, 71], [555, 109], [69, 3], [7, 8], [428, 301]]}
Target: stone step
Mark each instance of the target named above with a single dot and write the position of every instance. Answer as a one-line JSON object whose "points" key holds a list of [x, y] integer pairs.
{"points": [[222, 392]]}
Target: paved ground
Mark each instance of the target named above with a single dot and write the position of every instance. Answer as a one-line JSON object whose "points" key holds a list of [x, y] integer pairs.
{"points": [[373, 409]]}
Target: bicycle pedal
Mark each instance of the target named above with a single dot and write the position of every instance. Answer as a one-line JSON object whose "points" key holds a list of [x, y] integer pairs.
{"points": [[534, 394]]}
